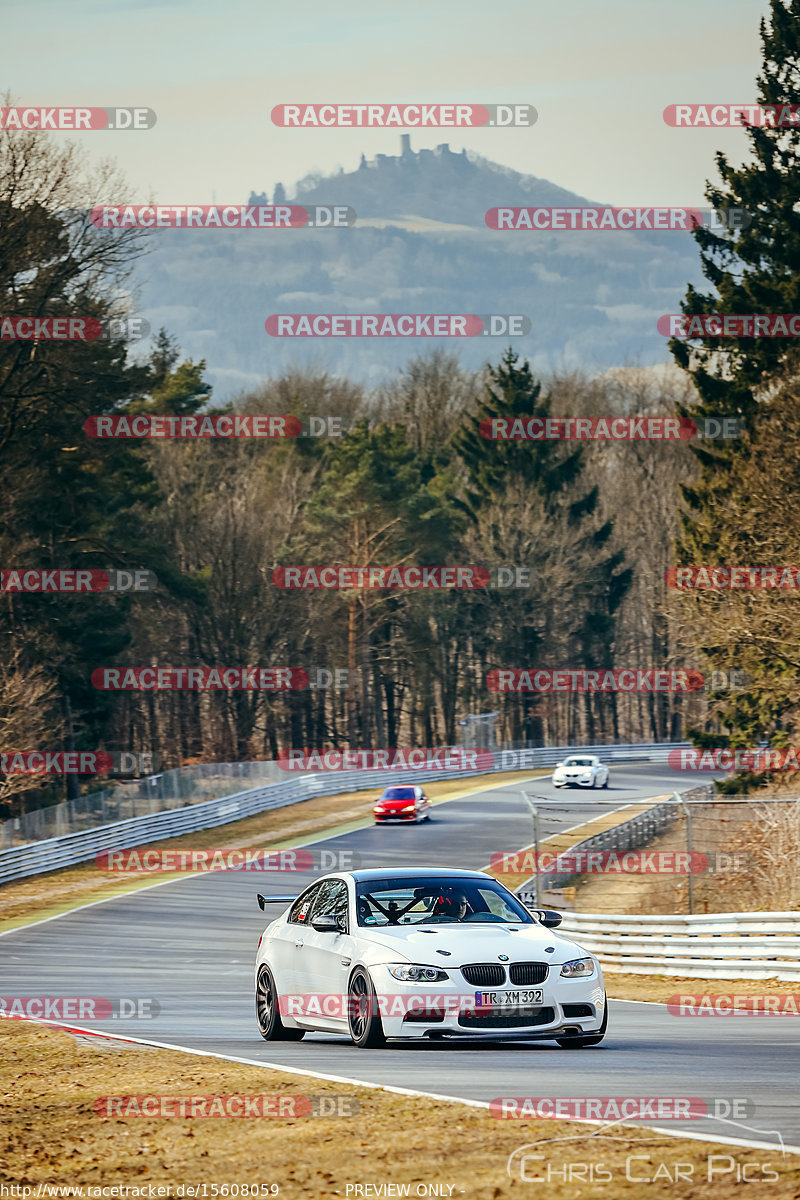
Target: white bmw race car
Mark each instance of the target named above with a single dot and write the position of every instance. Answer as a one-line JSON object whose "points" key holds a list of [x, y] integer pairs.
{"points": [[581, 770], [423, 952]]}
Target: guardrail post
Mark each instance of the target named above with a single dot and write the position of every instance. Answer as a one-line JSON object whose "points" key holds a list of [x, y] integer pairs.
{"points": [[529, 800], [690, 877]]}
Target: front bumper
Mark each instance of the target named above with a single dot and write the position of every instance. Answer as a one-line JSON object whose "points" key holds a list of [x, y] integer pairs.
{"points": [[442, 1009], [387, 817]]}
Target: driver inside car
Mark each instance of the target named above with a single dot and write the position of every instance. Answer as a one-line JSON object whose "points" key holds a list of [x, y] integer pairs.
{"points": [[453, 905]]}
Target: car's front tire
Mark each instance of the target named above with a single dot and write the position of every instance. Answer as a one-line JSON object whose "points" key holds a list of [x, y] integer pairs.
{"points": [[583, 1041], [270, 1025], [605, 785], [363, 1015]]}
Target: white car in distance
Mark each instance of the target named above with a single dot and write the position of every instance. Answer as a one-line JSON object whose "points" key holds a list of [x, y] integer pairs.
{"points": [[580, 770]]}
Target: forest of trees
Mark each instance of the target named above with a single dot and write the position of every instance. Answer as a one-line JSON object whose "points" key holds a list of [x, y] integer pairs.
{"points": [[411, 481]]}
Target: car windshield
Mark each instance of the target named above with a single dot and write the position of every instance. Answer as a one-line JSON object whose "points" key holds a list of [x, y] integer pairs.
{"points": [[398, 793], [578, 762], [429, 900]]}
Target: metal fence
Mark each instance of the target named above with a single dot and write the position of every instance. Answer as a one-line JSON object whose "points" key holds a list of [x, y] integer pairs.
{"points": [[145, 797], [691, 852]]}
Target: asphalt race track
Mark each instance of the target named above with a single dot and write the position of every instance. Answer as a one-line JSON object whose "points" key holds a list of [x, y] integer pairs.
{"points": [[190, 945]]}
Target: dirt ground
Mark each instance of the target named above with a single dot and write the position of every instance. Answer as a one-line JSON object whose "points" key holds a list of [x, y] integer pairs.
{"points": [[55, 891], [661, 988], [51, 1134]]}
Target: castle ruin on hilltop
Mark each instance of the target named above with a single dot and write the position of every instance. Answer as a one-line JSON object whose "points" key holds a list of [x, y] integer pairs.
{"points": [[405, 159], [408, 156]]}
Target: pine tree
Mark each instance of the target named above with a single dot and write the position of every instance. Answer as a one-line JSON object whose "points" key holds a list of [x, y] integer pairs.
{"points": [[549, 473], [752, 270]]}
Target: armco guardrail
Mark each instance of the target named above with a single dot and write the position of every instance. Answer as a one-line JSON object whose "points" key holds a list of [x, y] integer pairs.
{"points": [[54, 853], [718, 945]]}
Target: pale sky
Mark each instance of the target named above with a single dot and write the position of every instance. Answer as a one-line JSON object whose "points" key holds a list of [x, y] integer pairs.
{"points": [[599, 74]]}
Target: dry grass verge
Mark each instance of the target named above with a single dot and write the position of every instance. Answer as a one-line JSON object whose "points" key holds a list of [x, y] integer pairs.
{"points": [[50, 1080], [661, 988]]}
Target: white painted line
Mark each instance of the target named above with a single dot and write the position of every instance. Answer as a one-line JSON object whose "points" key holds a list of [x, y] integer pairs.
{"points": [[384, 1087]]}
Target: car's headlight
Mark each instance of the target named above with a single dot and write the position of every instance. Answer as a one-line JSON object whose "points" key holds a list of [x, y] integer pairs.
{"points": [[408, 808], [408, 971], [578, 968]]}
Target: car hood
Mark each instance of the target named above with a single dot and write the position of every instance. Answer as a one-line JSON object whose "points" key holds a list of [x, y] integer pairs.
{"points": [[468, 945]]}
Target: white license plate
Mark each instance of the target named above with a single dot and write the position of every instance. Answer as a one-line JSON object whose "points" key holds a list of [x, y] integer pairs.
{"points": [[505, 999]]}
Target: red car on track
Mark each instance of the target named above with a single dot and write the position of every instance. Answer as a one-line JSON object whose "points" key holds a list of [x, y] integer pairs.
{"points": [[402, 803]]}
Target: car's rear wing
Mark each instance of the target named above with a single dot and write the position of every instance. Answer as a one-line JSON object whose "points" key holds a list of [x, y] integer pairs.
{"points": [[264, 900]]}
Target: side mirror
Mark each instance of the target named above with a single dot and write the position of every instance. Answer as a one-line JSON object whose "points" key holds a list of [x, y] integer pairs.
{"points": [[328, 923], [559, 764], [548, 917]]}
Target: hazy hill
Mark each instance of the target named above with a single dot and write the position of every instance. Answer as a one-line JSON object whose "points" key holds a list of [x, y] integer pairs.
{"points": [[420, 245]]}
